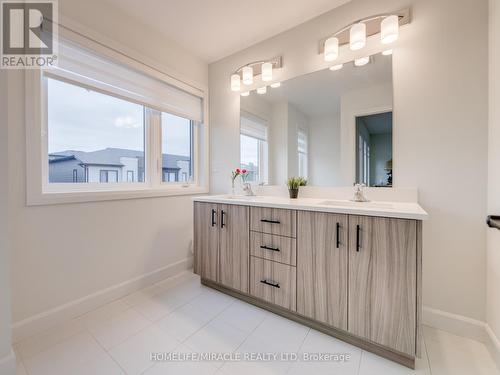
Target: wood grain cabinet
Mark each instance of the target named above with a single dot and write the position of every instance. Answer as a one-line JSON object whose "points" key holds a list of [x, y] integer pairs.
{"points": [[221, 244], [354, 277], [322, 267], [383, 281]]}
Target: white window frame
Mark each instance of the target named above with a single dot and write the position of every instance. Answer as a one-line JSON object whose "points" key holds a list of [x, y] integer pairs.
{"points": [[40, 192]]}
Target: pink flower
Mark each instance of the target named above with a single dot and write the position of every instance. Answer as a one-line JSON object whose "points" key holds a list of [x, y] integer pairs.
{"points": [[243, 171], [238, 170]]}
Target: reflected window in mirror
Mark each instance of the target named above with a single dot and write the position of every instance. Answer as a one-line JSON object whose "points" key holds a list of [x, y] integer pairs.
{"points": [[254, 148], [302, 141], [374, 149]]}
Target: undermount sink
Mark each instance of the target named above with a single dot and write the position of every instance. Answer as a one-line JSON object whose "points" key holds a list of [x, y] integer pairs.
{"points": [[249, 197], [357, 204]]}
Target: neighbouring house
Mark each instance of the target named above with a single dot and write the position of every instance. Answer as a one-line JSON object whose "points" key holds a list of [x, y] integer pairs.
{"points": [[112, 165]]}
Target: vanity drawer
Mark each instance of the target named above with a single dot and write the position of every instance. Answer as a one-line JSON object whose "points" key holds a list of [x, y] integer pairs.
{"points": [[273, 221], [273, 282], [277, 248]]}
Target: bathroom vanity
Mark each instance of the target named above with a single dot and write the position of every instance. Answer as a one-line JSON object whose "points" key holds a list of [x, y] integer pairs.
{"points": [[351, 270]]}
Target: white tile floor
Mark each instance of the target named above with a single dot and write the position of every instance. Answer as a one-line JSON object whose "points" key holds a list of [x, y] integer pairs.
{"points": [[179, 315]]}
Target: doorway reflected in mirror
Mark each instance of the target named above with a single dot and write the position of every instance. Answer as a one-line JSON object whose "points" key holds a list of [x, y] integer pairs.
{"points": [[374, 149]]}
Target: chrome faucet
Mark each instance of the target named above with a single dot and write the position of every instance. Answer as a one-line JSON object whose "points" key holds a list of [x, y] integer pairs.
{"points": [[247, 188], [359, 193]]}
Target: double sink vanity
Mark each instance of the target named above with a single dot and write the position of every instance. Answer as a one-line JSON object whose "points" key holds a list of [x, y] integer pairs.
{"points": [[349, 269]]}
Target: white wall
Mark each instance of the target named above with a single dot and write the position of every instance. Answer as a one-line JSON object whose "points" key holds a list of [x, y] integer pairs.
{"points": [[324, 151], [493, 251], [7, 361], [61, 253], [296, 120], [440, 110]]}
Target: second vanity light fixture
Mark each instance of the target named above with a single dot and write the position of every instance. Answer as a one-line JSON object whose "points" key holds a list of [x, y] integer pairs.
{"points": [[245, 75], [356, 33]]}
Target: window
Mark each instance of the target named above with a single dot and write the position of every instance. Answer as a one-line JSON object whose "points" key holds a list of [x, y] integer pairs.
{"points": [[106, 176], [363, 160], [177, 148], [302, 146], [130, 176], [89, 130], [98, 122], [254, 148]]}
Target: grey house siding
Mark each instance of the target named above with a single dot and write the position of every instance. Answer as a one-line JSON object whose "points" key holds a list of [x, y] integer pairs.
{"points": [[62, 171]]}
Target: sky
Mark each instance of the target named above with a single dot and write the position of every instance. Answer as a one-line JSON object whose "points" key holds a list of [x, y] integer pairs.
{"points": [[85, 120]]}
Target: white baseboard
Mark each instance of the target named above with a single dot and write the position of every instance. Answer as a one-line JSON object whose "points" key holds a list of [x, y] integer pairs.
{"points": [[43, 321], [494, 346], [457, 324], [8, 364], [463, 326]]}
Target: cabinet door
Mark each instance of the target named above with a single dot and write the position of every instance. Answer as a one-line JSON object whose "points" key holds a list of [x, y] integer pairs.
{"points": [[206, 240], [382, 281], [234, 247], [322, 267]]}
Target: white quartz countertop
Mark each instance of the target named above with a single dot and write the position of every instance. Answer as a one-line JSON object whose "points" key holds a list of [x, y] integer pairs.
{"points": [[403, 210]]}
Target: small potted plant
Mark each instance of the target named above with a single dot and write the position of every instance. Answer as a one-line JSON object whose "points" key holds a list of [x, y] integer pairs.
{"points": [[293, 184]]}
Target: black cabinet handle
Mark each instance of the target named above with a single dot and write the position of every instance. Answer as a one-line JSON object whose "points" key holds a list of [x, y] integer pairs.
{"points": [[358, 229], [493, 221], [270, 221], [222, 214], [338, 235], [275, 285], [213, 218], [269, 248]]}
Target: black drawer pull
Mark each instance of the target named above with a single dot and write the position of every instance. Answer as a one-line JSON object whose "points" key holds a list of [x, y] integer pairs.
{"points": [[270, 221], [270, 283], [269, 248], [358, 229], [338, 235]]}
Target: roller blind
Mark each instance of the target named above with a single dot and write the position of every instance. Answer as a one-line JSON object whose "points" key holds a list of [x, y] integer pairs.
{"points": [[82, 65], [253, 126]]}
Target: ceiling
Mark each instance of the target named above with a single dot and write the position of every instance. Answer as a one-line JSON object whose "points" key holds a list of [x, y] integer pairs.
{"points": [[213, 29], [380, 123], [318, 94]]}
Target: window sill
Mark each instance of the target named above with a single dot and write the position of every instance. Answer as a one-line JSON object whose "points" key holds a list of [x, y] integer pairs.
{"points": [[50, 198]]}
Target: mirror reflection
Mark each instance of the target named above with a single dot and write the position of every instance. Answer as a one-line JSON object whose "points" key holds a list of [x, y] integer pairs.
{"points": [[332, 127]]}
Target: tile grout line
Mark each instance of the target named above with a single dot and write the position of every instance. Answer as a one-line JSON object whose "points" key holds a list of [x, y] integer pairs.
{"points": [[359, 364], [107, 352], [427, 353], [289, 368]]}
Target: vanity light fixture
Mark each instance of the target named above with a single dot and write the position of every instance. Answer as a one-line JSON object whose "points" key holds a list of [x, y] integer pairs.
{"points": [[267, 72], [331, 49], [247, 73], [235, 82], [263, 68], [336, 67], [262, 90], [275, 85], [357, 34], [387, 52], [362, 61], [245, 93], [389, 29]]}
